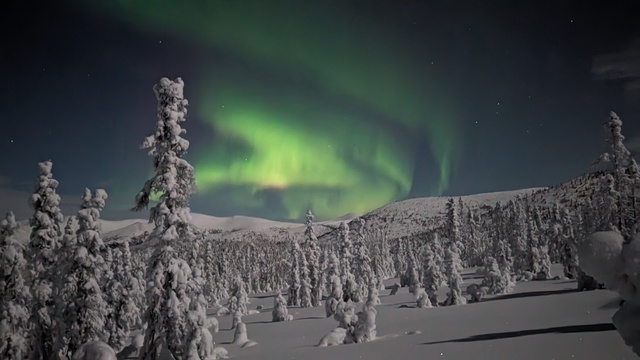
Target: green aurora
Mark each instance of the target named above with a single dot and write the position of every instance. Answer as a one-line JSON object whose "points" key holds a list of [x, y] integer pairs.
{"points": [[333, 125]]}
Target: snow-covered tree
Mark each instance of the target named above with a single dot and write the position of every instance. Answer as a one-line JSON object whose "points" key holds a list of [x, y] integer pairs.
{"points": [[454, 279], [174, 182], [422, 298], [86, 312], [568, 245], [453, 225], [43, 250], [543, 243], [347, 279], [372, 292], [622, 190], [126, 294], [518, 227], [501, 248], [474, 235], [492, 276], [210, 275], [412, 275], [294, 273], [280, 311], [554, 233], [400, 261], [199, 342], [362, 270], [365, 329], [432, 276], [241, 298], [312, 254], [69, 241], [336, 296], [332, 269], [305, 282], [14, 294]]}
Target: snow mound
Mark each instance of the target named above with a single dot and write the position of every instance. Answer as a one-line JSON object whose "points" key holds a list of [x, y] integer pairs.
{"points": [[95, 350], [600, 256]]}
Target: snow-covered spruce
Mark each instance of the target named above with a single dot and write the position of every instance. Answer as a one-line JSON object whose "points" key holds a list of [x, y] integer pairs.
{"points": [[86, 312], [349, 285], [332, 269], [42, 258], [336, 296], [14, 294], [126, 293], [312, 254], [432, 275], [362, 269], [199, 342], [454, 279], [294, 275], [616, 263], [492, 276], [174, 182], [619, 196], [372, 293], [305, 282]]}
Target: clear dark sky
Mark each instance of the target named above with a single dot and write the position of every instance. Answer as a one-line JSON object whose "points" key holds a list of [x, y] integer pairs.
{"points": [[341, 106]]}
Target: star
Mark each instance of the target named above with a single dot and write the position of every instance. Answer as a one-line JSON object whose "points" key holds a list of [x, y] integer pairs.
{"points": [[11, 141]]}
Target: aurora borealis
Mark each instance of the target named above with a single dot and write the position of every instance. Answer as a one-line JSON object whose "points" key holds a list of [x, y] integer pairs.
{"points": [[340, 106], [323, 140]]}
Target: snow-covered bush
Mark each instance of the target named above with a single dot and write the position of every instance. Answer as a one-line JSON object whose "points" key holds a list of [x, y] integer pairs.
{"points": [[352, 327], [280, 311], [365, 330], [422, 298], [240, 335], [476, 292]]}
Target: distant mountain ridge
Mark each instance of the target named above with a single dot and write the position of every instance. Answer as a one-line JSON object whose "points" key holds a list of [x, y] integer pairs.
{"points": [[393, 220]]}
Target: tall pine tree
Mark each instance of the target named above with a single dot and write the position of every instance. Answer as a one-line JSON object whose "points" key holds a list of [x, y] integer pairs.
{"points": [[174, 182], [44, 246]]}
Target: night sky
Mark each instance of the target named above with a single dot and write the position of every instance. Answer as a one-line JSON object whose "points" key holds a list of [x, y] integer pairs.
{"points": [[340, 106]]}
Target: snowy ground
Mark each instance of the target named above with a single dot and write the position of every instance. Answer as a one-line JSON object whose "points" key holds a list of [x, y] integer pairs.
{"points": [[540, 320]]}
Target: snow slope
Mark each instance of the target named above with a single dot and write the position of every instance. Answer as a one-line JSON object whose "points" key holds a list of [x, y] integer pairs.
{"points": [[540, 320]]}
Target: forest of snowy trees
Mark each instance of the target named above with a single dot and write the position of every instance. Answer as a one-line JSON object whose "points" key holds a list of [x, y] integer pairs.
{"points": [[67, 286]]}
